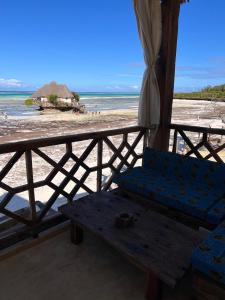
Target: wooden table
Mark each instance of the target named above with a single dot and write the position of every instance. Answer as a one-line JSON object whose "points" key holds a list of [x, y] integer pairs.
{"points": [[156, 244]]}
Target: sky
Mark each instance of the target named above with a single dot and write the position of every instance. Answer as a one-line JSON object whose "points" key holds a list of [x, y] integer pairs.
{"points": [[94, 45]]}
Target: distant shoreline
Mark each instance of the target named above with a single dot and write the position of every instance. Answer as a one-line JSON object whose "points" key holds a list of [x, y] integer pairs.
{"points": [[202, 99], [179, 96]]}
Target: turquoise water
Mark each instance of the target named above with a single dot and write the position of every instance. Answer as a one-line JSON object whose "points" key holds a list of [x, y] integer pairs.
{"points": [[12, 103]]}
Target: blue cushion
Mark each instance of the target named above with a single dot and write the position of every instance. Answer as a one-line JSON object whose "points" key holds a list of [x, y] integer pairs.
{"points": [[209, 257], [216, 213], [192, 185], [179, 193], [190, 168]]}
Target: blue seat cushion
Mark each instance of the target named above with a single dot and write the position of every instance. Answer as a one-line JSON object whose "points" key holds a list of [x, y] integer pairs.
{"points": [[216, 213], [193, 169], [209, 257], [191, 197]]}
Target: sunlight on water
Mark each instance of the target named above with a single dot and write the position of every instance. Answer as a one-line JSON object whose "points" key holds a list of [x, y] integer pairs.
{"points": [[12, 103]]}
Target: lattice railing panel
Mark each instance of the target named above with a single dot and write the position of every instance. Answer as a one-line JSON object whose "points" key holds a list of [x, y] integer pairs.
{"points": [[204, 143], [43, 174]]}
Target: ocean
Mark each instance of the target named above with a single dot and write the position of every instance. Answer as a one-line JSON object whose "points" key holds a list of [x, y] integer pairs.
{"points": [[12, 103]]}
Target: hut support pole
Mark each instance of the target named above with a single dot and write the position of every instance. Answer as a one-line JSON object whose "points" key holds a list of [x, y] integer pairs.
{"points": [[165, 69]]}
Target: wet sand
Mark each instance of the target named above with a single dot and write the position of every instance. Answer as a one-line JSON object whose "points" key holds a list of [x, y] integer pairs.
{"points": [[190, 112]]}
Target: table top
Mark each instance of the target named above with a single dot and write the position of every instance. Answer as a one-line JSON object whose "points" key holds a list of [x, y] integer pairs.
{"points": [[154, 243]]}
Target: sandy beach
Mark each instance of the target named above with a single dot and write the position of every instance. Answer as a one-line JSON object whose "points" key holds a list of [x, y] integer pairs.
{"points": [[191, 112], [64, 123]]}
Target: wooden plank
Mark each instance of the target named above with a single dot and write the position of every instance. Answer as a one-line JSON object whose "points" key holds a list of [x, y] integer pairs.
{"points": [[81, 184], [197, 129], [154, 287], [59, 140], [194, 149], [99, 165], [207, 289], [125, 158], [190, 144], [13, 215], [24, 187], [82, 164], [10, 164], [20, 232], [217, 150], [30, 182], [6, 222], [213, 152], [116, 152], [7, 198], [155, 243], [66, 180], [175, 142], [172, 213], [58, 167], [76, 234]]}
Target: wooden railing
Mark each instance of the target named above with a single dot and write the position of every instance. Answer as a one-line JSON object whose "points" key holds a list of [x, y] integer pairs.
{"points": [[201, 142], [54, 171], [65, 165]]}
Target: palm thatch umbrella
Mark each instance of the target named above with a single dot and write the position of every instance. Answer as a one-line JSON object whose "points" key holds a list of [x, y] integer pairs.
{"points": [[56, 96], [61, 90]]}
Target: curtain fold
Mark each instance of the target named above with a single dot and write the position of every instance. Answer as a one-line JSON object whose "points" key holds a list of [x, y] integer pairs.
{"points": [[149, 22]]}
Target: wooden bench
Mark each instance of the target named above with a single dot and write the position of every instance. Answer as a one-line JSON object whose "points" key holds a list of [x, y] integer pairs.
{"points": [[191, 187], [156, 244]]}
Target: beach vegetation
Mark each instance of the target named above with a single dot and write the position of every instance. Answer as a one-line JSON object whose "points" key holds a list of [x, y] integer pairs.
{"points": [[53, 99], [213, 93], [76, 96], [29, 102]]}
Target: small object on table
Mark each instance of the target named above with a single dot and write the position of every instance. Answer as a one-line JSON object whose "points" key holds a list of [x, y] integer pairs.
{"points": [[124, 220]]}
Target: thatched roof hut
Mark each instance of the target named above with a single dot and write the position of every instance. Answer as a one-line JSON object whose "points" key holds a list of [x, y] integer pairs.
{"points": [[56, 96], [61, 90]]}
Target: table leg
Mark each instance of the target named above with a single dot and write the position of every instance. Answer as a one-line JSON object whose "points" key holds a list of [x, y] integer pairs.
{"points": [[154, 287], [76, 234]]}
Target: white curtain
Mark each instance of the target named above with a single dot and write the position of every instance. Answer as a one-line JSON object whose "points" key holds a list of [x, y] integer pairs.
{"points": [[149, 21]]}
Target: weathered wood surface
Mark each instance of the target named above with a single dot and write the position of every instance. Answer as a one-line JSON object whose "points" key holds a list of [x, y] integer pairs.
{"points": [[21, 232], [51, 141], [165, 69], [194, 147], [155, 243], [198, 129], [170, 212], [205, 289]]}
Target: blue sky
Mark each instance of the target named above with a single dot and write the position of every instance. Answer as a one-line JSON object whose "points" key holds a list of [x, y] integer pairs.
{"points": [[94, 45]]}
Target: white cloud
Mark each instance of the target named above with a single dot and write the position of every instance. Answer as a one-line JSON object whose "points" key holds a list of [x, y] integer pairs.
{"points": [[7, 83], [129, 75], [135, 87], [136, 64], [122, 88]]}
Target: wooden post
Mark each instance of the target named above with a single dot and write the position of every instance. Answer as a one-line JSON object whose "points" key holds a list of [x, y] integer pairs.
{"points": [[154, 287], [99, 165], [30, 182], [205, 288], [76, 234], [165, 69]]}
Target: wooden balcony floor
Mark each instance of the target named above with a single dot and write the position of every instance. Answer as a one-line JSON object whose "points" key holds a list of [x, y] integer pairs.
{"points": [[56, 269]]}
